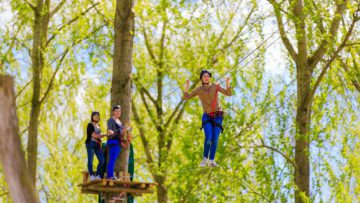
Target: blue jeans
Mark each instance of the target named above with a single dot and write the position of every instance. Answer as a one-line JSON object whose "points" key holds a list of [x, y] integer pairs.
{"points": [[94, 148], [211, 135], [114, 150]]}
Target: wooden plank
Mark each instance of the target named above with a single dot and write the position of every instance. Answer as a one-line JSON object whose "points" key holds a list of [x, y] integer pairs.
{"points": [[114, 189], [116, 182], [131, 182], [90, 183], [89, 192], [105, 185]]}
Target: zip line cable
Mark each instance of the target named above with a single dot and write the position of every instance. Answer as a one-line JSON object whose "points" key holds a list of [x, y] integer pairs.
{"points": [[242, 60]]}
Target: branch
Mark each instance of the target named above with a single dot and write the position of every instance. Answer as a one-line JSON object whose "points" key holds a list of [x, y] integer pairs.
{"points": [[148, 94], [176, 121], [151, 115], [24, 131], [229, 23], [319, 53], [162, 44], [173, 113], [282, 31], [238, 34], [222, 50], [70, 22], [352, 44], [44, 189], [311, 94], [57, 8], [24, 104], [107, 20], [263, 145], [31, 6], [321, 20], [22, 89], [24, 46], [148, 45], [12, 43], [346, 68], [279, 152], [51, 84]]}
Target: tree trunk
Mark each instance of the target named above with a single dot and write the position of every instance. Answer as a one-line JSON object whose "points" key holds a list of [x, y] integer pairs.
{"points": [[303, 76], [162, 192], [122, 68], [37, 63], [40, 30], [11, 154], [302, 171]]}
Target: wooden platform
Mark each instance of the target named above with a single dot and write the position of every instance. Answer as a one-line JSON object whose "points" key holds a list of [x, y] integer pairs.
{"points": [[118, 186]]}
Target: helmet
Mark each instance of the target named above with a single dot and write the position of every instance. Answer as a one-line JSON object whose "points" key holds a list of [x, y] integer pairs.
{"points": [[115, 107], [203, 72]]}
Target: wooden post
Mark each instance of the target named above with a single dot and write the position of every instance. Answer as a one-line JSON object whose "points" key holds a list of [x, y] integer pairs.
{"points": [[11, 154]]}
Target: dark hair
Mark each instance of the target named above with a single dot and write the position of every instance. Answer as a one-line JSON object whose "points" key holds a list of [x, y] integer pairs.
{"points": [[93, 114], [203, 72], [115, 107]]}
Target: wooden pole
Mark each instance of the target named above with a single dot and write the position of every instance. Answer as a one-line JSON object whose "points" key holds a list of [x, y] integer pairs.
{"points": [[11, 154]]}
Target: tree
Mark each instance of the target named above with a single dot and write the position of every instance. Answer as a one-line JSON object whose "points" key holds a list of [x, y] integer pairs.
{"points": [[318, 42], [11, 153], [63, 72], [122, 69], [43, 13]]}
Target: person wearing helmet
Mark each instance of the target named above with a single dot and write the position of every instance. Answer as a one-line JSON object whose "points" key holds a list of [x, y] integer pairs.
{"points": [[115, 130], [213, 115], [93, 146]]}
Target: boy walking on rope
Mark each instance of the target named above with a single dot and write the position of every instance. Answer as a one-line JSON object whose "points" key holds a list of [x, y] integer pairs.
{"points": [[213, 115]]}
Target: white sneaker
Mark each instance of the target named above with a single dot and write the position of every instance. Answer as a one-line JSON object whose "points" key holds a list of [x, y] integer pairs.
{"points": [[213, 164], [97, 177], [92, 177], [203, 162]]}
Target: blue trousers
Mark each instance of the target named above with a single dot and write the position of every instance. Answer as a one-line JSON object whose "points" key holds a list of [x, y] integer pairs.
{"points": [[211, 135], [114, 150], [94, 148]]}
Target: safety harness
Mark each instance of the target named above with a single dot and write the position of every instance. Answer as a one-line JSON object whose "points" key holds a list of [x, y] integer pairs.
{"points": [[97, 140], [124, 138], [213, 114]]}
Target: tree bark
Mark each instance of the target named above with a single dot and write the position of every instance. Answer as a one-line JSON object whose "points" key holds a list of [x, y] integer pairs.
{"points": [[303, 114], [162, 191], [37, 59], [122, 68], [304, 76], [11, 154]]}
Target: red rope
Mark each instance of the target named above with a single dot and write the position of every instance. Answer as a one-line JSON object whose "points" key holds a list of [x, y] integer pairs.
{"points": [[213, 103]]}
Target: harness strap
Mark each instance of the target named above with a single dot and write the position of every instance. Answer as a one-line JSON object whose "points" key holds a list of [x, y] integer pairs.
{"points": [[213, 113], [212, 121], [96, 140], [123, 142]]}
